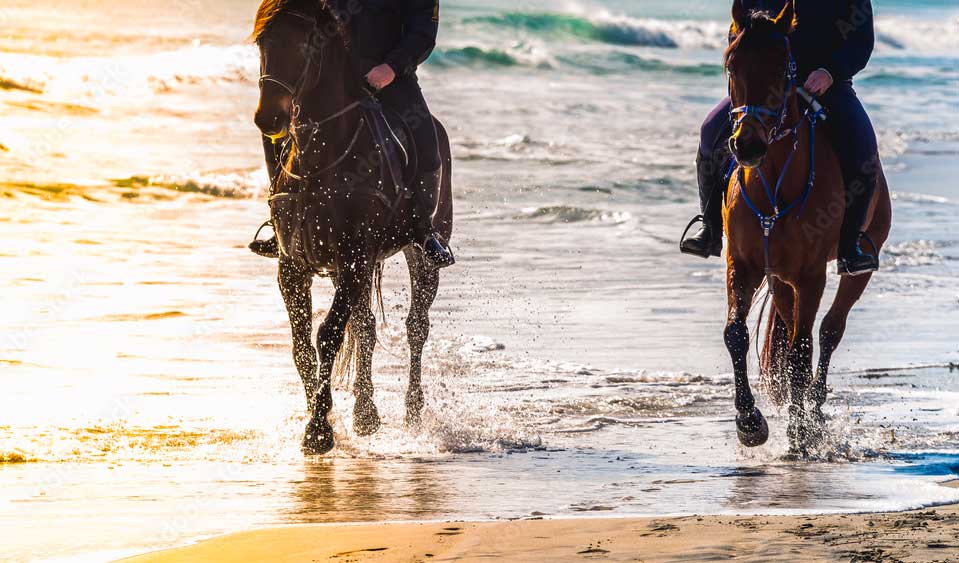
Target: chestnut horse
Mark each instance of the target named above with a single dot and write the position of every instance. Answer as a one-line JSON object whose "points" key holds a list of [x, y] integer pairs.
{"points": [[784, 231], [337, 207]]}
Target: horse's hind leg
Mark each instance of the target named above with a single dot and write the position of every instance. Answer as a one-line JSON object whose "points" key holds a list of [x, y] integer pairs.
{"points": [[775, 357], [741, 284], [366, 419], [425, 283], [831, 332], [809, 292], [295, 283], [850, 290]]}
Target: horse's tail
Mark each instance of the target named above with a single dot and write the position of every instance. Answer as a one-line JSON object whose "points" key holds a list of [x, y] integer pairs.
{"points": [[344, 368]]}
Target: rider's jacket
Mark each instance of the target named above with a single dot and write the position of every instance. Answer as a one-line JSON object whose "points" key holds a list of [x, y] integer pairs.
{"points": [[836, 35], [400, 33]]}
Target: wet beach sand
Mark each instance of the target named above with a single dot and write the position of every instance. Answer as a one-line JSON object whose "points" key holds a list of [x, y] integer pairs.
{"points": [[924, 536]]}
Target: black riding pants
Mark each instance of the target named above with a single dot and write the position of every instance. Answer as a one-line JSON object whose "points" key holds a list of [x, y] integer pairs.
{"points": [[405, 98]]}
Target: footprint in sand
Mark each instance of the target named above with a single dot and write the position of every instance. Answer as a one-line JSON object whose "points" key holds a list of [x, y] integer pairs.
{"points": [[450, 532]]}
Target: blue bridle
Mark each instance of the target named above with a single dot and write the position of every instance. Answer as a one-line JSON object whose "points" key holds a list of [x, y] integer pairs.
{"points": [[774, 135]]}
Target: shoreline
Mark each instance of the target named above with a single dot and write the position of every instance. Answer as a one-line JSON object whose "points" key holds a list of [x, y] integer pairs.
{"points": [[928, 535]]}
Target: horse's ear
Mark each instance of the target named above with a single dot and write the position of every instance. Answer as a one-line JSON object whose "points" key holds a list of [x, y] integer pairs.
{"points": [[739, 17], [786, 20]]}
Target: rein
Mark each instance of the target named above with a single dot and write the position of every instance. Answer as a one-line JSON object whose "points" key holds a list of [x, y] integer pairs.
{"points": [[777, 134]]}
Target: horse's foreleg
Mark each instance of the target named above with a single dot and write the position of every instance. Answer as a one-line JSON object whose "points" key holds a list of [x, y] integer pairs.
{"points": [[366, 419], [318, 438], [809, 293], [424, 283], [295, 283], [741, 285]]}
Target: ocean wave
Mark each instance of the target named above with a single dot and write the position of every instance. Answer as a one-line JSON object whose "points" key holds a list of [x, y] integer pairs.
{"points": [[913, 254], [240, 184], [906, 34], [611, 29], [619, 61], [127, 75], [895, 34], [571, 214], [907, 78], [120, 442], [474, 56]]}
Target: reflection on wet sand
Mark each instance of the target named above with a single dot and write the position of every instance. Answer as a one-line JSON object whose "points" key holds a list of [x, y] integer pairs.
{"points": [[350, 490]]}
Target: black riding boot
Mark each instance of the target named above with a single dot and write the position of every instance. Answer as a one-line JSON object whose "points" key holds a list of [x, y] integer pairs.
{"points": [[268, 248], [708, 240], [426, 190], [852, 260]]}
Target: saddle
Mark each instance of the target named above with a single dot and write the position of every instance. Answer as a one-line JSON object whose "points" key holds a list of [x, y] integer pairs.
{"points": [[295, 215], [394, 138]]}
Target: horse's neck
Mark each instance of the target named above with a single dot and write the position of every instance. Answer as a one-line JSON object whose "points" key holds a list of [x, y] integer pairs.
{"points": [[334, 93], [780, 152]]}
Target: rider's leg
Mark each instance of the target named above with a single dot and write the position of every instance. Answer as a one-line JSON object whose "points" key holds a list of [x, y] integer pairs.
{"points": [[711, 164], [269, 248], [405, 98], [854, 139]]}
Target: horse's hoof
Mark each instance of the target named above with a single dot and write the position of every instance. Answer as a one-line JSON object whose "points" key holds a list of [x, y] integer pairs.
{"points": [[414, 407], [366, 419], [752, 429], [318, 437]]}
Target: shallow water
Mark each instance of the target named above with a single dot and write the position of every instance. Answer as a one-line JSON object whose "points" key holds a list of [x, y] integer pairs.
{"points": [[576, 365]]}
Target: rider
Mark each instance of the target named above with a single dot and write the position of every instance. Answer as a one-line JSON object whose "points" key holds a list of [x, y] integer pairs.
{"points": [[832, 41], [389, 39]]}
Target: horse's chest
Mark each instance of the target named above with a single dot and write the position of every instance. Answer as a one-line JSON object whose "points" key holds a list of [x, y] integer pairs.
{"points": [[304, 229]]}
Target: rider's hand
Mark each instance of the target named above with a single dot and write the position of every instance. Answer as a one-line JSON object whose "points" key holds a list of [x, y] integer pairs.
{"points": [[818, 82], [381, 77]]}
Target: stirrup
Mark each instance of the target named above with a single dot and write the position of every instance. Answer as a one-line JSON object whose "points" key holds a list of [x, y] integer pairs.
{"points": [[711, 251], [256, 244], [841, 265], [696, 219], [434, 258]]}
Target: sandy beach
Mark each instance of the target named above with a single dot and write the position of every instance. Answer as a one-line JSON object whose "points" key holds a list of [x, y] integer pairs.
{"points": [[925, 536]]}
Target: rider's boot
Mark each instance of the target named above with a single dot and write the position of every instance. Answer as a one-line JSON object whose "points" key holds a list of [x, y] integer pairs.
{"points": [[268, 248], [852, 260], [708, 240], [426, 190]]}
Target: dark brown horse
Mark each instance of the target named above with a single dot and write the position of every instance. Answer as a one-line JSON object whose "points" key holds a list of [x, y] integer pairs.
{"points": [[339, 207], [786, 234]]}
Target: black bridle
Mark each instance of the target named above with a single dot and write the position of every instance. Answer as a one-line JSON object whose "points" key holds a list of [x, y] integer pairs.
{"points": [[297, 88], [314, 50]]}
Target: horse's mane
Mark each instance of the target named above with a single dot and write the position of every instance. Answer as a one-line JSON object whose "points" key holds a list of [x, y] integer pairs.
{"points": [[759, 26], [328, 9]]}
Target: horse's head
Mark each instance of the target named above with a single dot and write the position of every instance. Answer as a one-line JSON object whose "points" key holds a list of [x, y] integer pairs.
{"points": [[761, 79], [291, 35]]}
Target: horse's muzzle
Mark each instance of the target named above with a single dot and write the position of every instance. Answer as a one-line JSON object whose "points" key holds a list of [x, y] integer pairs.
{"points": [[272, 125], [749, 153]]}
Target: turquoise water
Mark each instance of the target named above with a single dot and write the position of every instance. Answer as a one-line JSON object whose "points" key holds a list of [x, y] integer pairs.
{"points": [[576, 364]]}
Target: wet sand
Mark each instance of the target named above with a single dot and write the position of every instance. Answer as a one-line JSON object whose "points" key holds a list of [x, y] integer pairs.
{"points": [[925, 536]]}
